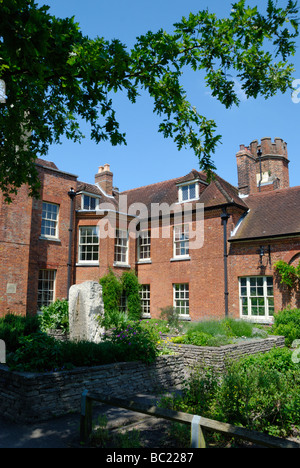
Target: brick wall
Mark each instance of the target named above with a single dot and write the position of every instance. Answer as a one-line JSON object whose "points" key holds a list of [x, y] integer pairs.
{"points": [[244, 260], [15, 229], [204, 272], [24, 253]]}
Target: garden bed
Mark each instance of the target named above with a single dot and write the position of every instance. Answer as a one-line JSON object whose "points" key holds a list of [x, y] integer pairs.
{"points": [[218, 357]]}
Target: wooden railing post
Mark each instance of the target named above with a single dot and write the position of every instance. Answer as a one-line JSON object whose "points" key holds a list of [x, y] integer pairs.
{"points": [[197, 436], [86, 416]]}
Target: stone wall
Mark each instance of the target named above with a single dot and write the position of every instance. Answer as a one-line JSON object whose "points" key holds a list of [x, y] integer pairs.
{"points": [[218, 357], [27, 397]]}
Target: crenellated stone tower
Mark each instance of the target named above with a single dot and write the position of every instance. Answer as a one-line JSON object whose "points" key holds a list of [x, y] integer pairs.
{"points": [[262, 167]]}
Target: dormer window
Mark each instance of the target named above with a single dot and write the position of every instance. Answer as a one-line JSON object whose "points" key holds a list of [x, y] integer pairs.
{"points": [[188, 192], [89, 202]]}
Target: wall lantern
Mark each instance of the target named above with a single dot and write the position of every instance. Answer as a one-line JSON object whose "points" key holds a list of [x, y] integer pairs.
{"points": [[264, 250]]}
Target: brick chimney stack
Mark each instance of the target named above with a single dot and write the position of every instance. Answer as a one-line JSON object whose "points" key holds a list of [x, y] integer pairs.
{"points": [[262, 167], [104, 178]]}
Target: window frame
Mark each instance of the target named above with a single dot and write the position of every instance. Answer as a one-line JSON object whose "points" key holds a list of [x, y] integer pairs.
{"points": [[145, 295], [49, 220], [245, 298], [144, 247], [183, 288], [42, 290], [184, 230], [119, 246], [188, 185], [95, 246], [90, 196]]}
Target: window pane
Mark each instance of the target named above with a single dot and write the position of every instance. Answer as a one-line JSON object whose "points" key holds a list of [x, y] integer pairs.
{"points": [[181, 298], [88, 244], [192, 191], [49, 219], [259, 295], [46, 287]]}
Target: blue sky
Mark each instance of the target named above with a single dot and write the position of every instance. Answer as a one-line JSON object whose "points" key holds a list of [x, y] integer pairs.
{"points": [[148, 156]]}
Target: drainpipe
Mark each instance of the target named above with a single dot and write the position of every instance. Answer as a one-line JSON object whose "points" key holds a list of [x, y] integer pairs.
{"points": [[72, 195], [224, 217]]}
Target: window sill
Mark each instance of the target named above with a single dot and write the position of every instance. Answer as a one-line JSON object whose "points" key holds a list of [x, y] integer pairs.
{"points": [[50, 239], [87, 264], [142, 262], [180, 259], [185, 318], [121, 265]]}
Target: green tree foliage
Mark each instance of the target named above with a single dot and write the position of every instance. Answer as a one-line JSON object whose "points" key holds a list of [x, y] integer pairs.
{"points": [[55, 76]]}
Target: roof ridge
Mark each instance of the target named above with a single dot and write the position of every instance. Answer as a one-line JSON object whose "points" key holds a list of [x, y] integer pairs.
{"points": [[161, 182]]}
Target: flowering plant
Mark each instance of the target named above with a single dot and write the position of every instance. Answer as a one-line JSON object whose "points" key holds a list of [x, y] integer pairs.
{"points": [[136, 342]]}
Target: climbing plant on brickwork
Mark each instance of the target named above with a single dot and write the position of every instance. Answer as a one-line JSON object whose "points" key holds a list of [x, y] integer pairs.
{"points": [[54, 76], [289, 274]]}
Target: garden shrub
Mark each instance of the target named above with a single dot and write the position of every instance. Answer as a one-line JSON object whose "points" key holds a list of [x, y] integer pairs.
{"points": [[287, 324], [13, 327], [135, 342], [112, 290], [171, 315], [37, 352], [55, 316], [131, 288], [259, 392], [215, 332]]}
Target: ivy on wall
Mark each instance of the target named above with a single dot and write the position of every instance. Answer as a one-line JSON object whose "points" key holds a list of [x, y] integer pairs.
{"points": [[289, 274], [113, 288]]}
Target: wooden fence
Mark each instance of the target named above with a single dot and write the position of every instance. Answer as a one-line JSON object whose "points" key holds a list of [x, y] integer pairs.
{"points": [[197, 423]]}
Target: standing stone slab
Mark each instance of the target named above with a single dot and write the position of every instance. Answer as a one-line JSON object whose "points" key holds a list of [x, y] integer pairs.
{"points": [[85, 306]]}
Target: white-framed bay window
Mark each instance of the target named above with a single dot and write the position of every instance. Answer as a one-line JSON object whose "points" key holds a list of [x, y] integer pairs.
{"points": [[256, 298], [88, 245], [181, 299]]}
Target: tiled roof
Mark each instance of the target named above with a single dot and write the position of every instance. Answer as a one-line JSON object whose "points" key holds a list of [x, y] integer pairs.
{"points": [[271, 214], [93, 189], [44, 163], [218, 192]]}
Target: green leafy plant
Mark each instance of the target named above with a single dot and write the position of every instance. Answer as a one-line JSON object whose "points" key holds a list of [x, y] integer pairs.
{"points": [[111, 292], [287, 324], [55, 316], [131, 288], [171, 315], [259, 392], [135, 342], [113, 288], [36, 353], [289, 275], [13, 327]]}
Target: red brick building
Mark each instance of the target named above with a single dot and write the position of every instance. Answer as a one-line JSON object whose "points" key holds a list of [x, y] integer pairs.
{"points": [[205, 247]]}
